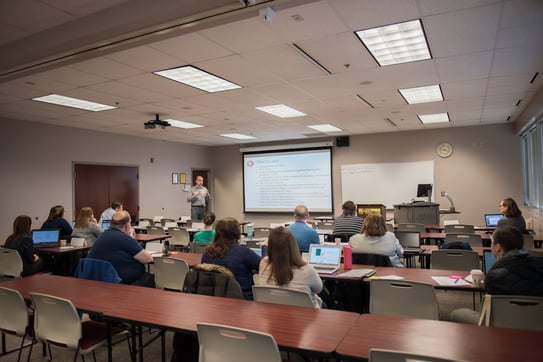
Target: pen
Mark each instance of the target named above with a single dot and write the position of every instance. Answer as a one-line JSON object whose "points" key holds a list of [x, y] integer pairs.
{"points": [[456, 281]]}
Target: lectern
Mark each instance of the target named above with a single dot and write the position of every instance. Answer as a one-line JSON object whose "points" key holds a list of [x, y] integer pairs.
{"points": [[417, 213]]}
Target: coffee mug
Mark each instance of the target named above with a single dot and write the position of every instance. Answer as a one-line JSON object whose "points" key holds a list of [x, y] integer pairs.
{"points": [[476, 276]]}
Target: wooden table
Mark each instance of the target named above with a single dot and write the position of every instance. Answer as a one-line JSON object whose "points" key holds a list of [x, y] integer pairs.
{"points": [[63, 260], [145, 238], [192, 259], [457, 341], [316, 331]]}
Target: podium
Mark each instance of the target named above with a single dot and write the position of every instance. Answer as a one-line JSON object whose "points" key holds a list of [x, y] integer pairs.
{"points": [[417, 213]]}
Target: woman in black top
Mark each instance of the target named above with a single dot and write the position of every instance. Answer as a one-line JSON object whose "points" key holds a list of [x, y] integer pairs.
{"points": [[21, 241], [511, 214], [56, 220]]}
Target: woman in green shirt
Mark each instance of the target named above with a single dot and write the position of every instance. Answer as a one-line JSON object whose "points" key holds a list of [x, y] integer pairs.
{"points": [[207, 233]]}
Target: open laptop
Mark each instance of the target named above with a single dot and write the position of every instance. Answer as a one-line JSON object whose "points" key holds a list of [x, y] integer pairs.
{"points": [[325, 258], [488, 259], [491, 220], [106, 224], [409, 240], [45, 238]]}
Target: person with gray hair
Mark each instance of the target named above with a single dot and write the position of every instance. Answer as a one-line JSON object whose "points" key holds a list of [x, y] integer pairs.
{"points": [[303, 233]]}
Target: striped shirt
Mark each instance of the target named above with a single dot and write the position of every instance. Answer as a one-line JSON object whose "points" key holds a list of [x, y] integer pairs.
{"points": [[348, 224]]}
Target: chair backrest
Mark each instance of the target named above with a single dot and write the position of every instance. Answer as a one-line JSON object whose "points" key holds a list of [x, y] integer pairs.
{"points": [[261, 232], [528, 241], [56, 320], [325, 225], [144, 223], [452, 259], [471, 239], [155, 230], [219, 343], [403, 299], [459, 228], [411, 227], [170, 273], [14, 313], [198, 248], [214, 280], [164, 221], [386, 355], [343, 238], [78, 241], [390, 227], [281, 296], [179, 236], [521, 312], [371, 259], [170, 224], [96, 269], [11, 264]]}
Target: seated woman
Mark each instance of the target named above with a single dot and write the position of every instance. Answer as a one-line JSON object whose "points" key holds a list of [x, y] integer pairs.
{"points": [[207, 233], [375, 239], [511, 214], [86, 226], [226, 251], [284, 267], [56, 220], [21, 240]]}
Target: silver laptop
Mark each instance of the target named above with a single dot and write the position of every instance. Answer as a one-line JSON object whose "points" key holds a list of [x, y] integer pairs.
{"points": [[409, 240], [45, 238], [491, 220], [325, 258]]}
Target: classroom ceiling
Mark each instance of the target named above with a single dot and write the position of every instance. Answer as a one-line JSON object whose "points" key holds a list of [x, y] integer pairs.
{"points": [[485, 55]]}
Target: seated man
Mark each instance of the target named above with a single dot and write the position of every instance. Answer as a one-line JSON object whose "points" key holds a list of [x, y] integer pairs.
{"points": [[515, 271], [107, 214], [123, 251], [302, 232]]}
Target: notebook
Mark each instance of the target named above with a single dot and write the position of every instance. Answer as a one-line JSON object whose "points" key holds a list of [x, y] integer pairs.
{"points": [[491, 220], [488, 259], [45, 238], [155, 249], [325, 258], [409, 240], [105, 224]]}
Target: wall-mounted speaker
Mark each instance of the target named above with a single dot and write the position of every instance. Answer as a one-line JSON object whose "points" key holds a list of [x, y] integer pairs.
{"points": [[342, 141]]}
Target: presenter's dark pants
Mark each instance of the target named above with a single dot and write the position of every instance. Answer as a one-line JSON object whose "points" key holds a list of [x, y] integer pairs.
{"points": [[197, 212]]}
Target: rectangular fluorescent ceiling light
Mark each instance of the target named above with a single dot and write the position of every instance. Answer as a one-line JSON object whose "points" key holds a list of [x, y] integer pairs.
{"points": [[237, 136], [325, 128], [396, 43], [431, 93], [280, 110], [73, 102], [182, 124], [434, 118], [197, 78]]}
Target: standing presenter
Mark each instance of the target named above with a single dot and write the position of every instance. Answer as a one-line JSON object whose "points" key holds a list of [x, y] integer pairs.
{"points": [[198, 198]]}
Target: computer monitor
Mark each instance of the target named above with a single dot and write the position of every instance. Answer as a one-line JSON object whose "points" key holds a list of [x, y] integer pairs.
{"points": [[424, 190]]}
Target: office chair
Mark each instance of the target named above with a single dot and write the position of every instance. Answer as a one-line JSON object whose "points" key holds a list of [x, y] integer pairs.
{"points": [[471, 239], [164, 221], [403, 299], [371, 259], [198, 248], [454, 260], [411, 227], [511, 311], [261, 232], [14, 320], [155, 230], [270, 294], [219, 343], [11, 264], [170, 273], [179, 238]]}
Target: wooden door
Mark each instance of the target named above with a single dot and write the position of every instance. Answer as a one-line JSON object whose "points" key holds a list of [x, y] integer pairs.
{"points": [[98, 186]]}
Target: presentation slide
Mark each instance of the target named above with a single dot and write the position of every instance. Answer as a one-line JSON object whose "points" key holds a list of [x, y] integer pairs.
{"points": [[277, 181]]}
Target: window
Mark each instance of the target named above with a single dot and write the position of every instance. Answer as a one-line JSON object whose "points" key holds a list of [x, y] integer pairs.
{"points": [[532, 164]]}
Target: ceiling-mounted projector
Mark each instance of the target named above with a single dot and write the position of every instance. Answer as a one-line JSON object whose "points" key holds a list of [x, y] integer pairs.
{"points": [[153, 123]]}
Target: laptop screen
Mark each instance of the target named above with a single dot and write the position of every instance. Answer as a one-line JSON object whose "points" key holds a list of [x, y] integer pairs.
{"points": [[324, 254], [408, 239], [488, 259], [105, 224], [491, 220], [45, 238]]}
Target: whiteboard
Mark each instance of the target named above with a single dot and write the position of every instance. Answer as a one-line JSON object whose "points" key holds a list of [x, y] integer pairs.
{"points": [[385, 183]]}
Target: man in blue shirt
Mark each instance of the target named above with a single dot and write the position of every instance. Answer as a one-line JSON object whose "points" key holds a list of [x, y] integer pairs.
{"points": [[302, 232], [127, 256]]}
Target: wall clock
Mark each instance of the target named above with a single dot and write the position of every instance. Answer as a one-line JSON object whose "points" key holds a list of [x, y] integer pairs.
{"points": [[444, 149]]}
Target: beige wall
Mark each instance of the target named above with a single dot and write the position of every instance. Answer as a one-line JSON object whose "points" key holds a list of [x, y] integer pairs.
{"points": [[36, 162], [484, 168]]}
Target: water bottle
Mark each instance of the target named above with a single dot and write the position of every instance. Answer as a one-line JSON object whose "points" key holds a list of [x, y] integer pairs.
{"points": [[347, 257], [166, 248], [250, 231]]}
